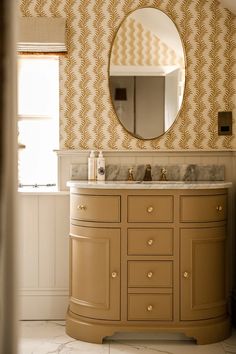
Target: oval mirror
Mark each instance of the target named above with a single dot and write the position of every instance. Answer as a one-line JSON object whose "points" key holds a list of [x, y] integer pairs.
{"points": [[147, 73]]}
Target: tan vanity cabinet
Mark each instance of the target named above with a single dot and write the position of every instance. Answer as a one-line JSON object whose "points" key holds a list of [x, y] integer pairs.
{"points": [[148, 260]]}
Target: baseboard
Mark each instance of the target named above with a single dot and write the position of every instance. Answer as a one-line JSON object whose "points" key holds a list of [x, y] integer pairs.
{"points": [[43, 306]]}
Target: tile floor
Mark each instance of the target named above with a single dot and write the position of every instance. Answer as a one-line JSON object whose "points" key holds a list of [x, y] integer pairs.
{"points": [[48, 337]]}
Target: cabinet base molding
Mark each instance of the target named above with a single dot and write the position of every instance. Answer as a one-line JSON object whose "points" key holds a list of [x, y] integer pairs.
{"points": [[207, 333]]}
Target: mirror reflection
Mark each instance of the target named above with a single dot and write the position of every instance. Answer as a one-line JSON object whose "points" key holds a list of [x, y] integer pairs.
{"points": [[147, 73]]}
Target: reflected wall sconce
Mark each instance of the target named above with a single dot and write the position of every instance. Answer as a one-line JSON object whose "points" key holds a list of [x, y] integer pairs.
{"points": [[120, 94]]}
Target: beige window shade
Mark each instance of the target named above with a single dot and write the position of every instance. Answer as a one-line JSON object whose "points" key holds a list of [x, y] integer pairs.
{"points": [[41, 34]]}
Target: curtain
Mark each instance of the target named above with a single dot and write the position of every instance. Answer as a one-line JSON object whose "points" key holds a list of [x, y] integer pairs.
{"points": [[8, 181]]}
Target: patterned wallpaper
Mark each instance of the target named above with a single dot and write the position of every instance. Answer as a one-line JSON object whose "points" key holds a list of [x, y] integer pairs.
{"points": [[135, 45], [87, 118]]}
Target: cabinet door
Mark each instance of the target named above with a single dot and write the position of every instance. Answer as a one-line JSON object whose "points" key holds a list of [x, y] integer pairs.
{"points": [[202, 278], [95, 272]]}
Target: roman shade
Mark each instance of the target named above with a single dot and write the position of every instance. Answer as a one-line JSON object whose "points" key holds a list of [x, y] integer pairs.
{"points": [[41, 34]]}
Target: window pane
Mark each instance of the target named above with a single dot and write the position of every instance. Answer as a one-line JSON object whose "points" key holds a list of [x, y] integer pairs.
{"points": [[38, 108], [38, 86], [37, 160]]}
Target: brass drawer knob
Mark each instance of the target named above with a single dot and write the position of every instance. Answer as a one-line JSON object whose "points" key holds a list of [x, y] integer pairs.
{"points": [[186, 275], [219, 208], [81, 207], [150, 242], [114, 274], [150, 209], [149, 274], [149, 308]]}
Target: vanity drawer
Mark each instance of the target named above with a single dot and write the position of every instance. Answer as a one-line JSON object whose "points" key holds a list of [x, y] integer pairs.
{"points": [[104, 208], [150, 208], [150, 242], [203, 208], [150, 274], [150, 307]]}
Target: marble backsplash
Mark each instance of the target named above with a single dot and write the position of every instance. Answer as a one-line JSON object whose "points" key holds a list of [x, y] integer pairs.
{"points": [[183, 172]]}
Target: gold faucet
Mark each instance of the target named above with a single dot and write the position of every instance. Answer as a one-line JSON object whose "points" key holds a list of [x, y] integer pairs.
{"points": [[148, 174], [163, 174], [130, 174]]}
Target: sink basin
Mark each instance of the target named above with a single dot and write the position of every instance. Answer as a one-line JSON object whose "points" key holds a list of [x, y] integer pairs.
{"points": [[147, 182], [162, 182], [123, 182]]}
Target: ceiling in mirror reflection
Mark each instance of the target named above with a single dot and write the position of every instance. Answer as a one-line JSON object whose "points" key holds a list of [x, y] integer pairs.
{"points": [[161, 26], [147, 44]]}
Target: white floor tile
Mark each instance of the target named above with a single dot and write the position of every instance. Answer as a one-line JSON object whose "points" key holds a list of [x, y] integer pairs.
{"points": [[165, 347], [44, 337]]}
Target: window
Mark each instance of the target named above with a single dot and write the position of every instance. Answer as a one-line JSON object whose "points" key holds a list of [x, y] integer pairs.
{"points": [[38, 118]]}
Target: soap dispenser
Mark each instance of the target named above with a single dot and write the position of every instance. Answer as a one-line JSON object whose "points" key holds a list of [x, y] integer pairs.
{"points": [[92, 166], [100, 167]]}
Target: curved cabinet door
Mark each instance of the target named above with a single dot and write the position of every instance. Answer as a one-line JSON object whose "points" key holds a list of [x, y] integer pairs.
{"points": [[95, 272], [203, 294]]}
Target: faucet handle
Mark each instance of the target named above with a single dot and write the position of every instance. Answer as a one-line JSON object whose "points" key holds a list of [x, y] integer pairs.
{"points": [[130, 174], [163, 174]]}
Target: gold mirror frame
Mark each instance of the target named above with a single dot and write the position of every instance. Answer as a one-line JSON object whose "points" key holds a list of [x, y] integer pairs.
{"points": [[184, 69]]}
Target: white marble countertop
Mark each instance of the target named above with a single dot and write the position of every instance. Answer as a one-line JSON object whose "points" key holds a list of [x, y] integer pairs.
{"points": [[149, 185]]}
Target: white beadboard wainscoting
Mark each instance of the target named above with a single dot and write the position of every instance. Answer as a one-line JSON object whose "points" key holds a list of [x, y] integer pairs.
{"points": [[43, 255]]}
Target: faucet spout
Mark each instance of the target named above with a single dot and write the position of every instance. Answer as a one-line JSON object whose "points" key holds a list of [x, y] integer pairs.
{"points": [[130, 174], [148, 173]]}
